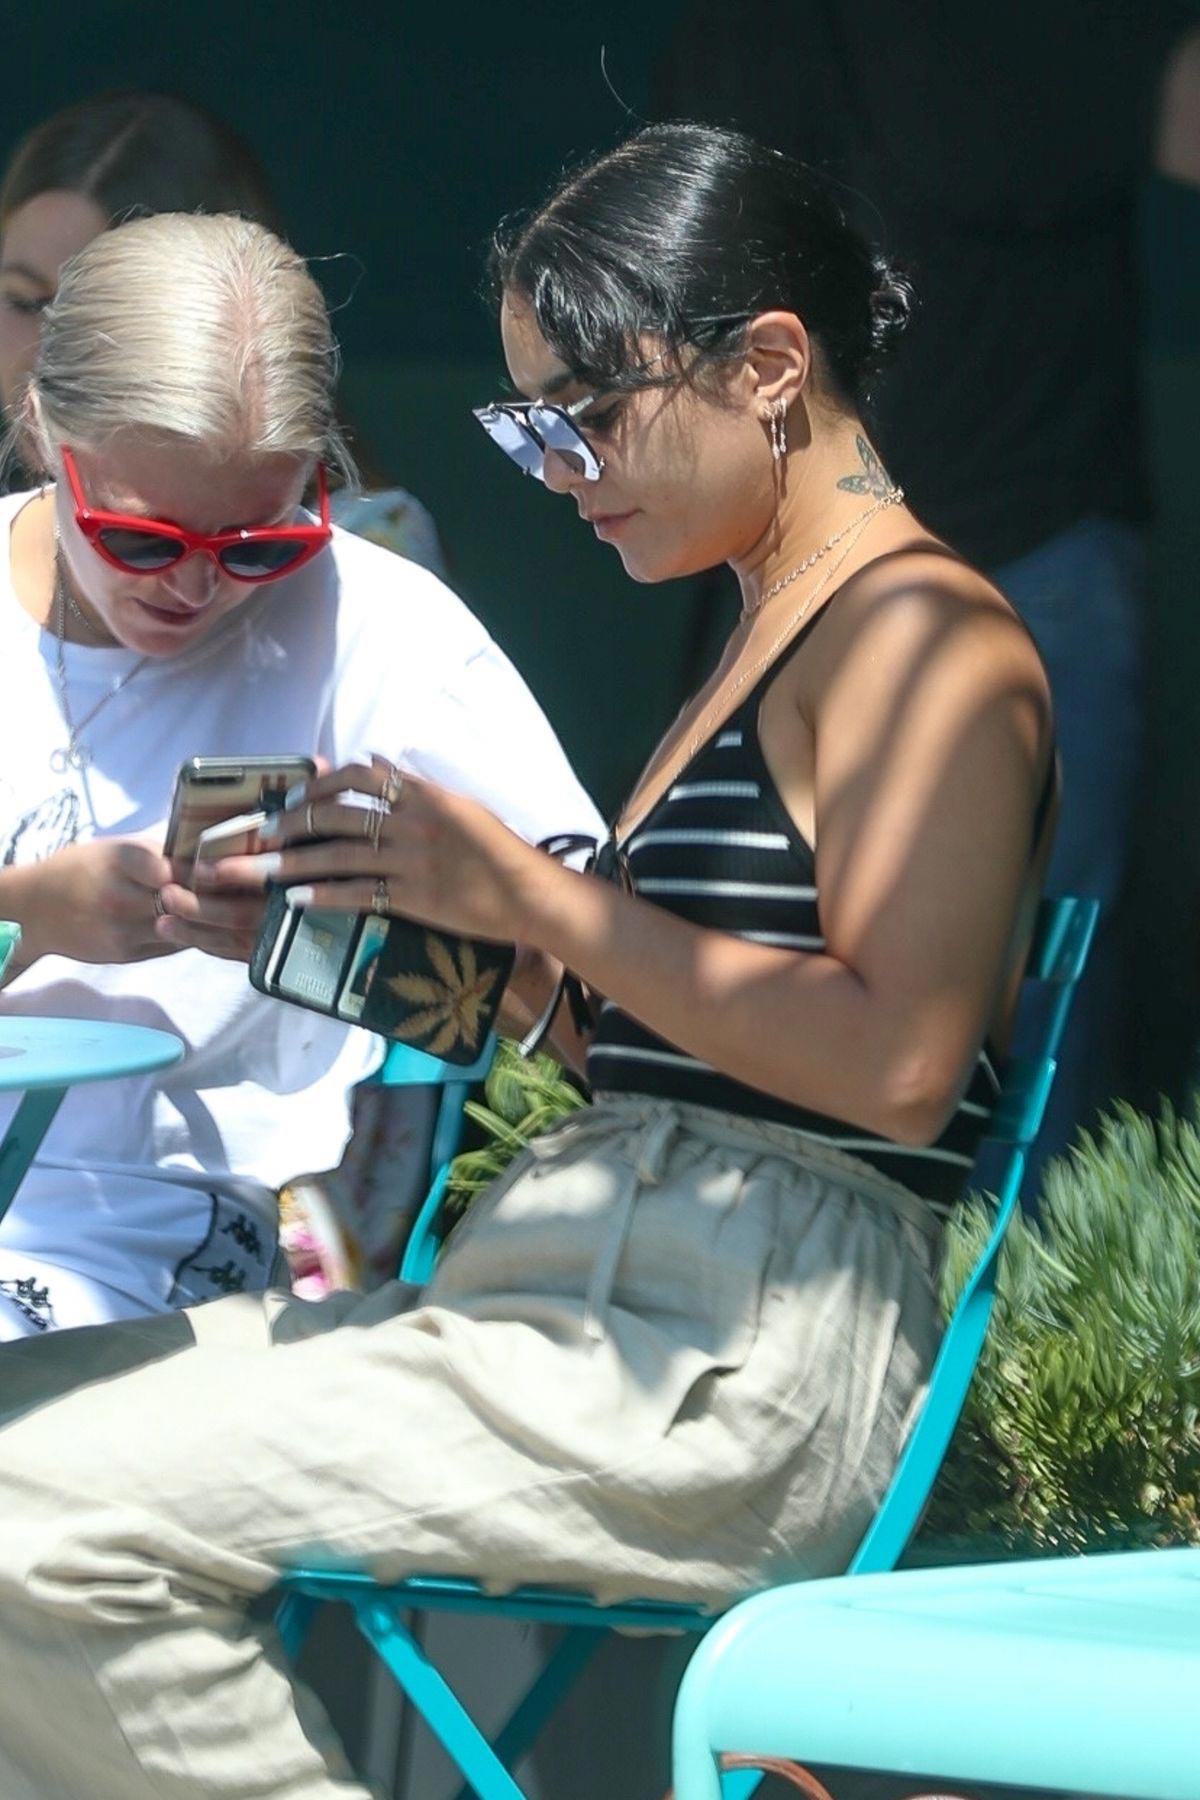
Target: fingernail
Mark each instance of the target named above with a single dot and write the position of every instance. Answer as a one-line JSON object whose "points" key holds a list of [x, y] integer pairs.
{"points": [[300, 896], [266, 866], [271, 826], [295, 793]]}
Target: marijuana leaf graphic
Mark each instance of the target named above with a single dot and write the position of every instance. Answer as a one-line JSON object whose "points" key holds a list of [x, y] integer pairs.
{"points": [[451, 1000]]}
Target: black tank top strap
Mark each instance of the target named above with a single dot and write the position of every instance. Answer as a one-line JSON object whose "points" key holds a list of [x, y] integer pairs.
{"points": [[791, 648]]}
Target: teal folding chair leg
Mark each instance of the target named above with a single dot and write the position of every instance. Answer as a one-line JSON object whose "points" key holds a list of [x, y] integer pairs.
{"points": [[292, 1620], [437, 1703], [23, 1139], [571, 1656]]}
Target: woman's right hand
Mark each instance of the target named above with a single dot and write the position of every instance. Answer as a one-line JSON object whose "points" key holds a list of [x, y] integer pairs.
{"points": [[93, 901]]}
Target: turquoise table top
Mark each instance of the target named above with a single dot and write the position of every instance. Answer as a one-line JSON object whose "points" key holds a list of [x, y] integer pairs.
{"points": [[59, 1053]]}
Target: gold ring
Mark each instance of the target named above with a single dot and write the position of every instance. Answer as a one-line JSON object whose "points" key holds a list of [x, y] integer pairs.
{"points": [[310, 829], [393, 786], [160, 911], [375, 819], [381, 900]]}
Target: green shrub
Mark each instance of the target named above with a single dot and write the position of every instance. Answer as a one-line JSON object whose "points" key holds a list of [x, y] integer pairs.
{"points": [[1080, 1430]]}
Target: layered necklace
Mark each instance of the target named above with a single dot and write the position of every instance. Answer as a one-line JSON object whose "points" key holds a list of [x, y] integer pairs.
{"points": [[76, 753], [849, 534]]}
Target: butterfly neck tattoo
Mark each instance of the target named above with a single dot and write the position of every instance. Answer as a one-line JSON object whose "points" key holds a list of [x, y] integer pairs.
{"points": [[873, 479]]}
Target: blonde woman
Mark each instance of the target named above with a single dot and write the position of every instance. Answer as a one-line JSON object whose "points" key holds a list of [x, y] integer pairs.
{"points": [[185, 380]]}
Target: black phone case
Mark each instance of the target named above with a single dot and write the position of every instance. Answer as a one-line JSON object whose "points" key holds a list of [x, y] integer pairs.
{"points": [[422, 987]]}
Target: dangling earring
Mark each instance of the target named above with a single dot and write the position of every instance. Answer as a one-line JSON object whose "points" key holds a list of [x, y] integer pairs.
{"points": [[779, 430]]}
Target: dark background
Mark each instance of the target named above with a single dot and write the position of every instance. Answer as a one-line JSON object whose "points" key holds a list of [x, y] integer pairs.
{"points": [[397, 135]]}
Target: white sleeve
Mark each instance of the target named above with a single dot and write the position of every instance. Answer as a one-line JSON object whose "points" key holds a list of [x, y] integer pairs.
{"points": [[485, 735], [418, 679]]}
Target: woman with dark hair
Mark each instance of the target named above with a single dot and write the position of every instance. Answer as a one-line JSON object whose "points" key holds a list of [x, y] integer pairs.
{"points": [[125, 155], [675, 1350]]}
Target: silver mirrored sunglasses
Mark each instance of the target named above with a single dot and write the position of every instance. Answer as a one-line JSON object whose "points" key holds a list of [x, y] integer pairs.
{"points": [[526, 429]]}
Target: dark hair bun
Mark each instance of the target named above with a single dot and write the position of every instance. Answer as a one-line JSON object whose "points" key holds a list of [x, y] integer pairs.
{"points": [[891, 305]]}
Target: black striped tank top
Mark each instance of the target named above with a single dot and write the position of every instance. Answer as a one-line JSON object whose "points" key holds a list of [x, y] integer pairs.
{"points": [[721, 850]]}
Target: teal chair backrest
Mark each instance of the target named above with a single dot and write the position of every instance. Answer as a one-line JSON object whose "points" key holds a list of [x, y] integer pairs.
{"points": [[404, 1066], [1061, 941]]}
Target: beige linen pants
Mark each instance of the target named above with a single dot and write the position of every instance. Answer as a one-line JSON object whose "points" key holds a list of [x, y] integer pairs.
{"points": [[670, 1353]]}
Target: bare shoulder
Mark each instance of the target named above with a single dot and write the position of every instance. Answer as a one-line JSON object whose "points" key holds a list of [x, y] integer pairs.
{"points": [[922, 618]]}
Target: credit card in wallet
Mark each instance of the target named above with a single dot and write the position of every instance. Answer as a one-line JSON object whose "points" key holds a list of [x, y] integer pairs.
{"points": [[311, 967]]}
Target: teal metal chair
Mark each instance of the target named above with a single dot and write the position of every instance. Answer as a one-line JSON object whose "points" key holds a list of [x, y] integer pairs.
{"points": [[1061, 941], [404, 1066], [1076, 1674]]}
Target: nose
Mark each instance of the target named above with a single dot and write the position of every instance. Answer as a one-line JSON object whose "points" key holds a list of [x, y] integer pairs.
{"points": [[561, 472], [193, 582]]}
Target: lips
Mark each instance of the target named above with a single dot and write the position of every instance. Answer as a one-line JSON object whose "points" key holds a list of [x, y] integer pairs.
{"points": [[608, 524], [172, 615]]}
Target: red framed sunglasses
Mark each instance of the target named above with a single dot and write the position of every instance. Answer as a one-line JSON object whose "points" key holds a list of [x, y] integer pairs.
{"points": [[140, 546]]}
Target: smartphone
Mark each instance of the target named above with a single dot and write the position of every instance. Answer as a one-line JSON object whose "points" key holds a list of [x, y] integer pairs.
{"points": [[211, 789]]}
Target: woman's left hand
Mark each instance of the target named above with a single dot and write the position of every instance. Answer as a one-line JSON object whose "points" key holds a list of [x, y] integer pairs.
{"points": [[391, 843]]}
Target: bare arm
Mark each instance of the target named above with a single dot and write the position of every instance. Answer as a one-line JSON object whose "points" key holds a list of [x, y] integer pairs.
{"points": [[932, 743], [534, 980], [932, 748]]}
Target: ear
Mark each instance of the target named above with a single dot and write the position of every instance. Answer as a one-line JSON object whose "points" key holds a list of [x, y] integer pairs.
{"points": [[779, 359]]}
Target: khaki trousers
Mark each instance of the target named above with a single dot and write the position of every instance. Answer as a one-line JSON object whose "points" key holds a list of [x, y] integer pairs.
{"points": [[670, 1353]]}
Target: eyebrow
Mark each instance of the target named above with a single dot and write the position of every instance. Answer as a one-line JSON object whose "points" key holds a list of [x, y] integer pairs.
{"points": [[555, 385], [20, 268]]}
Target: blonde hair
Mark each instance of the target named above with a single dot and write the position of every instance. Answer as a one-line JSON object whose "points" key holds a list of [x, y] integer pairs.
{"points": [[206, 328]]}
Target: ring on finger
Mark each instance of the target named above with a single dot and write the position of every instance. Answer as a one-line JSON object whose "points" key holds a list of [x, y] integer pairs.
{"points": [[310, 829], [160, 911], [393, 786], [375, 818], [381, 900]]}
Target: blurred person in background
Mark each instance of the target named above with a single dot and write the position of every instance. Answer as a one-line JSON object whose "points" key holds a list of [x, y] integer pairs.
{"points": [[1003, 152], [123, 155]]}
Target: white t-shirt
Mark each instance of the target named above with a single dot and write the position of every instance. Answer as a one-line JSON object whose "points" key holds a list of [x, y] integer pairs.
{"points": [[359, 651]]}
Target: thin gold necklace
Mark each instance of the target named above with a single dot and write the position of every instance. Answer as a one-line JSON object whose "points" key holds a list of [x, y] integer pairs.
{"points": [[850, 534], [892, 498]]}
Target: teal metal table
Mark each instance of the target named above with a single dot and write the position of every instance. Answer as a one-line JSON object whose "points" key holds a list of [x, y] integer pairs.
{"points": [[45, 1057], [1078, 1674]]}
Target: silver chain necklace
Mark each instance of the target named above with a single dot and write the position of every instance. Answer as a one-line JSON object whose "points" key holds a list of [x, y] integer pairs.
{"points": [[892, 497], [76, 754]]}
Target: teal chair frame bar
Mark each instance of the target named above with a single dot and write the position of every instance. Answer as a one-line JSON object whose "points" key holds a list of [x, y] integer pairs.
{"points": [[1061, 941]]}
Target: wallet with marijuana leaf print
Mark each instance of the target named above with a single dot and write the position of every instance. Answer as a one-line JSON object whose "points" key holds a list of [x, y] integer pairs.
{"points": [[403, 980]]}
